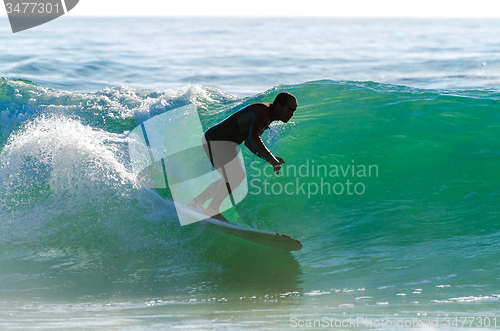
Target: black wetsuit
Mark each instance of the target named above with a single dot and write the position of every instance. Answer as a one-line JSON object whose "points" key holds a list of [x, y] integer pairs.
{"points": [[246, 125]]}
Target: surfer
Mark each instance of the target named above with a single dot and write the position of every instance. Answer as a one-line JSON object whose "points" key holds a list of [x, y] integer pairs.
{"points": [[221, 141]]}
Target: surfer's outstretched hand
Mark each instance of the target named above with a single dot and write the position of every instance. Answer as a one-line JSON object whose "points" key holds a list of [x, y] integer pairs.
{"points": [[277, 166]]}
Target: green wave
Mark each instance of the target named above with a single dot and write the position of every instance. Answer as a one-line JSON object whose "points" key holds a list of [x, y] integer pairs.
{"points": [[405, 172]]}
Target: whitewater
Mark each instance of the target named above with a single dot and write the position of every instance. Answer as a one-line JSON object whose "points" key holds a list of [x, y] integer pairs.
{"points": [[391, 178]]}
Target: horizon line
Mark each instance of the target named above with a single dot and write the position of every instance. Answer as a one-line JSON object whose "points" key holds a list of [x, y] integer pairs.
{"points": [[271, 16]]}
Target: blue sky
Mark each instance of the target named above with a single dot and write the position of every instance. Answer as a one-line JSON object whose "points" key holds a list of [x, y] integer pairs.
{"points": [[329, 8]]}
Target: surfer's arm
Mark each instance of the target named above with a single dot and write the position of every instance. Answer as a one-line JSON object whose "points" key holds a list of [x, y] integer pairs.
{"points": [[254, 141]]}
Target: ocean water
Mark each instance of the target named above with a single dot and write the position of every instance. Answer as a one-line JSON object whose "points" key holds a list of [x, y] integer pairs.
{"points": [[391, 178]]}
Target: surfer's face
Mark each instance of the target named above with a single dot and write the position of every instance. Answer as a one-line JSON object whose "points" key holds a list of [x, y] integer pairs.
{"points": [[286, 112]]}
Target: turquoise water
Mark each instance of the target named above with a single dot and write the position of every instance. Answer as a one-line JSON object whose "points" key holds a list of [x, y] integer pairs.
{"points": [[245, 56], [411, 236]]}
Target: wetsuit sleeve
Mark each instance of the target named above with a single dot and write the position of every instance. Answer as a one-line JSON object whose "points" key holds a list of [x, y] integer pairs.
{"points": [[254, 141]]}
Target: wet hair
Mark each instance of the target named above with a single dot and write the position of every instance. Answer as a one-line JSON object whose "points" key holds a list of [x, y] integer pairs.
{"points": [[282, 98]]}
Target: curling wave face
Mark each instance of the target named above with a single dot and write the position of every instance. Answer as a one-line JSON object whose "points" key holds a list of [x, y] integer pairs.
{"points": [[386, 187]]}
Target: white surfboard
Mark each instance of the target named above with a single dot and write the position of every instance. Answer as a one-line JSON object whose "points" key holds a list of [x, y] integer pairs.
{"points": [[262, 237]]}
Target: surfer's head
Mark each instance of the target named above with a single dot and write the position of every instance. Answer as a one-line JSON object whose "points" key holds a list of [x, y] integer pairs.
{"points": [[285, 105]]}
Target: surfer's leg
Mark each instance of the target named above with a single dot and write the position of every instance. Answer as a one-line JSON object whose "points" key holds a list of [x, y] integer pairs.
{"points": [[206, 195], [223, 155], [212, 189], [233, 175], [224, 158]]}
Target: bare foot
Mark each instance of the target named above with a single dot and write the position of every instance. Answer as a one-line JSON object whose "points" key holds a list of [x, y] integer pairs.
{"points": [[214, 214], [220, 218]]}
